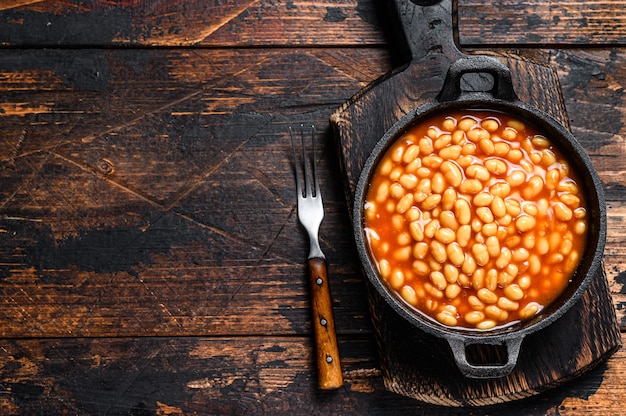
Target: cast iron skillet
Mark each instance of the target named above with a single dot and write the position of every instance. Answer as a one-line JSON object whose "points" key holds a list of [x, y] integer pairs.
{"points": [[502, 98]]}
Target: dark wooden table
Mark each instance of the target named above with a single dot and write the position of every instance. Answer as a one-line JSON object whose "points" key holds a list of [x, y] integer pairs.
{"points": [[150, 257]]}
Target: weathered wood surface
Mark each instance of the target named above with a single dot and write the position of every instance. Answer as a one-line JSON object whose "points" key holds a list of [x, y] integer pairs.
{"points": [[237, 376], [539, 22], [150, 258], [131, 195], [288, 23]]}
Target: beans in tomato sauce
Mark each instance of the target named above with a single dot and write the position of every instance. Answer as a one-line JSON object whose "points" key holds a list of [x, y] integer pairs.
{"points": [[476, 219]]}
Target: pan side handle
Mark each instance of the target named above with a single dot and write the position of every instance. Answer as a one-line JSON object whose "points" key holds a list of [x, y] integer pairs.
{"points": [[489, 370], [475, 64]]}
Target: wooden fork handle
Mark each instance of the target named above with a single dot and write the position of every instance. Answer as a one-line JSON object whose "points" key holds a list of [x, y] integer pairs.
{"points": [[328, 362]]}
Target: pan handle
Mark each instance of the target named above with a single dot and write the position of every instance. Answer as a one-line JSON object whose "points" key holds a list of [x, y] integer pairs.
{"points": [[485, 371], [425, 2], [502, 83], [427, 27]]}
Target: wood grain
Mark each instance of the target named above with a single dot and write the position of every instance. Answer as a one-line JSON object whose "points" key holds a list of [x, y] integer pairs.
{"points": [[541, 23], [138, 141], [226, 376], [331, 23], [141, 195], [327, 351], [195, 22]]}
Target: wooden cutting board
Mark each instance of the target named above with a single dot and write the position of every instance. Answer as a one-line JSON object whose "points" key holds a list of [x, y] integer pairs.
{"points": [[419, 365]]}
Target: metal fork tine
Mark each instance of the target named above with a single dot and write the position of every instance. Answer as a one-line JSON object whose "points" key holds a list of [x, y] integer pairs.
{"points": [[315, 178], [296, 168], [307, 161]]}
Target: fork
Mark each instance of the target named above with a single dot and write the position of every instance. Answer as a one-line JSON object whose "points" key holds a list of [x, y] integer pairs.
{"points": [[310, 215]]}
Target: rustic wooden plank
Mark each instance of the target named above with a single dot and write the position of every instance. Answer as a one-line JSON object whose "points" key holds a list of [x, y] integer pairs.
{"points": [[537, 22], [87, 257], [186, 23], [249, 375], [51, 97], [131, 207], [285, 23]]}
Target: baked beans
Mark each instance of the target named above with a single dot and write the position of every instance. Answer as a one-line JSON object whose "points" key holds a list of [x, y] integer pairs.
{"points": [[475, 219]]}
